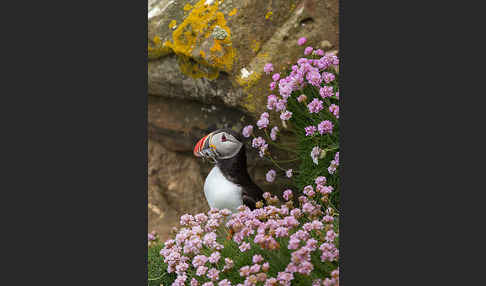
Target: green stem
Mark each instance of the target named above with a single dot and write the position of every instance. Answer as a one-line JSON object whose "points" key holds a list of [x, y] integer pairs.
{"points": [[278, 166], [157, 278], [270, 141], [288, 161]]}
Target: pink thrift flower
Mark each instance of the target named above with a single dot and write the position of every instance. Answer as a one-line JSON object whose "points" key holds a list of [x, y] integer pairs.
{"points": [[328, 77], [263, 122], [281, 232], [319, 52], [305, 268], [285, 277], [325, 126], [330, 235], [194, 282], [247, 131], [266, 195], [265, 267], [332, 167], [281, 105], [302, 98], [213, 274], [295, 213], [257, 258], [334, 109], [294, 243], [324, 189], [303, 199], [268, 68], [200, 218], [245, 271], [308, 208], [201, 270], [271, 101], [224, 282], [151, 237], [321, 180], [276, 77], [186, 219], [214, 258], [315, 106], [302, 41], [310, 130], [209, 239], [271, 282], [288, 173], [308, 51], [327, 219], [287, 194], [255, 268], [308, 191], [262, 150], [314, 78], [208, 284], [337, 94], [286, 115], [258, 142], [273, 85], [271, 176], [328, 282], [326, 91], [199, 260], [244, 246], [335, 273], [228, 263], [273, 133], [316, 151], [181, 267]]}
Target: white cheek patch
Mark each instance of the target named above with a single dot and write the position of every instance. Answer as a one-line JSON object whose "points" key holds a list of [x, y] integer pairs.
{"points": [[233, 153]]}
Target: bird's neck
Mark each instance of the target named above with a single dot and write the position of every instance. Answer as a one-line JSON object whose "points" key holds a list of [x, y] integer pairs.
{"points": [[234, 169]]}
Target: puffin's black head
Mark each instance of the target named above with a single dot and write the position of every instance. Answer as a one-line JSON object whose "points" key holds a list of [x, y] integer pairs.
{"points": [[218, 145]]}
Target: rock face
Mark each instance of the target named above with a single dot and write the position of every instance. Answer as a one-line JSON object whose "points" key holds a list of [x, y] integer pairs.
{"points": [[205, 72], [188, 60]]}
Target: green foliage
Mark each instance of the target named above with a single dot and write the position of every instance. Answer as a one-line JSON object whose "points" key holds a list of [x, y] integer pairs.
{"points": [[301, 118], [305, 173], [157, 270]]}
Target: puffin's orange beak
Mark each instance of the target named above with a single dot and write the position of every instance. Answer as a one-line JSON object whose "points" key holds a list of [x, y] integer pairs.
{"points": [[200, 145]]}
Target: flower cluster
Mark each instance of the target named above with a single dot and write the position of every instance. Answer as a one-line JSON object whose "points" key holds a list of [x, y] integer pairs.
{"points": [[211, 249], [261, 144], [195, 254], [334, 164]]}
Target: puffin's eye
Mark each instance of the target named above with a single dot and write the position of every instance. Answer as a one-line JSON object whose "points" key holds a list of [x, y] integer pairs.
{"points": [[223, 138]]}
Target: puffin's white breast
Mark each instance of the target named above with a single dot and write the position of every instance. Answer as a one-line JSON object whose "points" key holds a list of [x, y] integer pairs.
{"points": [[220, 192]]}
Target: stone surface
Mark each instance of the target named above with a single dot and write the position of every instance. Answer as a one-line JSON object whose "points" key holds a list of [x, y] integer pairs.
{"points": [[257, 29]]}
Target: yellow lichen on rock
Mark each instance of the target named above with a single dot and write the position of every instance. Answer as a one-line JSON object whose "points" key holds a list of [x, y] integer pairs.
{"points": [[156, 49], [256, 46], [203, 35], [187, 7], [249, 80], [172, 24], [233, 12], [268, 15], [248, 103], [194, 69]]}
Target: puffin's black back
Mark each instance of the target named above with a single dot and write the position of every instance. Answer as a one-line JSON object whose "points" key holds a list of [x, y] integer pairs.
{"points": [[235, 170]]}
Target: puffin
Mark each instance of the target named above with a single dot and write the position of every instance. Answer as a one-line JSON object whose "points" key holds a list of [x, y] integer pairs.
{"points": [[228, 184]]}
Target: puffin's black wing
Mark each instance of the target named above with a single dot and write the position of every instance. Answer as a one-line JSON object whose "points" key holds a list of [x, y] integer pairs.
{"points": [[235, 170], [250, 195]]}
